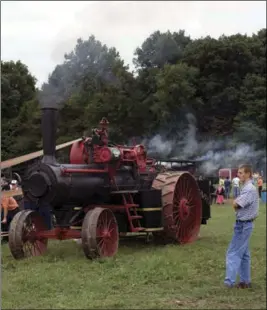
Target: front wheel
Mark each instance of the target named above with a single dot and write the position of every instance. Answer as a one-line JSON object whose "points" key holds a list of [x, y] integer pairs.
{"points": [[23, 240], [100, 235]]}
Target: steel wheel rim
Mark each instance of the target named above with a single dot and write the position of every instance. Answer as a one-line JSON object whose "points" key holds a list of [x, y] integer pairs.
{"points": [[33, 246], [106, 234], [187, 209]]}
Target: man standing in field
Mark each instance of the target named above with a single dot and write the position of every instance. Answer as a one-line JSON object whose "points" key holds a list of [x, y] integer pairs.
{"points": [[246, 207]]}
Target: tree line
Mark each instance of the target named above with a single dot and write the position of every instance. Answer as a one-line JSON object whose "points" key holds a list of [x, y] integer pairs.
{"points": [[222, 82]]}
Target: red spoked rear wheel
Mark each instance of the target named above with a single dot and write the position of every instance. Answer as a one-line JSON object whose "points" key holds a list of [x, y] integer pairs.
{"points": [[23, 239], [182, 206], [100, 236]]}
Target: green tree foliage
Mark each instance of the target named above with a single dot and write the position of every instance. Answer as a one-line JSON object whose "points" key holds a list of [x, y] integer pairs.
{"points": [[221, 81], [17, 89], [160, 49], [28, 133], [258, 49], [222, 64], [251, 121], [175, 91]]}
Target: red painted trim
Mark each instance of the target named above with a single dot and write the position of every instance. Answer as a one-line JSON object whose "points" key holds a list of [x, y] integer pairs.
{"points": [[74, 170]]}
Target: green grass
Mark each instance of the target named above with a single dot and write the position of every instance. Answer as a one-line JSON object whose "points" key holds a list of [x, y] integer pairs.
{"points": [[140, 276]]}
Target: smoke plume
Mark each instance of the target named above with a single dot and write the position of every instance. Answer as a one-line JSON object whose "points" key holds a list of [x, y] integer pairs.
{"points": [[211, 153]]}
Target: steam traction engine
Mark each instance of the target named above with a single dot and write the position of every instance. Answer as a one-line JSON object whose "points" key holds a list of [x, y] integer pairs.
{"points": [[105, 192]]}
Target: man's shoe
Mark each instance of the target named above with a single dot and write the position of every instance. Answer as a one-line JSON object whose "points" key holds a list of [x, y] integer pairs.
{"points": [[243, 285]]}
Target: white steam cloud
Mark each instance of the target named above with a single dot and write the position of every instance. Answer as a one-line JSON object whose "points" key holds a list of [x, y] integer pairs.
{"points": [[213, 154]]}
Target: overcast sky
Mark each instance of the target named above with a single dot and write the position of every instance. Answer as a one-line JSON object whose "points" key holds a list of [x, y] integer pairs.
{"points": [[40, 32]]}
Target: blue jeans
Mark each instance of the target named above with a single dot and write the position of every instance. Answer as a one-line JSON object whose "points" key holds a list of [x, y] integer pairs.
{"points": [[236, 192], [238, 255], [227, 192]]}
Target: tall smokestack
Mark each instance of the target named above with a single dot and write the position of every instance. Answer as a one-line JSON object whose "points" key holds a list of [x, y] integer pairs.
{"points": [[49, 116]]}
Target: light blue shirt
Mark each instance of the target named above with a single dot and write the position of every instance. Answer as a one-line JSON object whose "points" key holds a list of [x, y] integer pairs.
{"points": [[248, 201]]}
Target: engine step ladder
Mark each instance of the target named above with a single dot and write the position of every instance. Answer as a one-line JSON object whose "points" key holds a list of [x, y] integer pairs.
{"points": [[130, 208]]}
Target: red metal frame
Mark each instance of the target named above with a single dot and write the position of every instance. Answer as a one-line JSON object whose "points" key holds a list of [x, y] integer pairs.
{"points": [[65, 233], [58, 233]]}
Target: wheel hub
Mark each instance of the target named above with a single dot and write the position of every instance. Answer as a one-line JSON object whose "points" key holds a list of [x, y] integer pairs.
{"points": [[184, 209], [106, 234]]}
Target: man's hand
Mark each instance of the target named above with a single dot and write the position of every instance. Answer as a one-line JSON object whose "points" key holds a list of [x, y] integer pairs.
{"points": [[4, 221], [235, 206]]}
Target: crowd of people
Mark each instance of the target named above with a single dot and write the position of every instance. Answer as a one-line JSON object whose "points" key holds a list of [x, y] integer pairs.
{"points": [[226, 187]]}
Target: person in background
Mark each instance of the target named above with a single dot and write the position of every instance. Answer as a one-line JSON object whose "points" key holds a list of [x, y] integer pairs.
{"points": [[246, 207], [255, 177], [227, 187], [14, 185], [220, 195], [212, 193], [260, 184], [9, 208], [236, 185], [221, 181]]}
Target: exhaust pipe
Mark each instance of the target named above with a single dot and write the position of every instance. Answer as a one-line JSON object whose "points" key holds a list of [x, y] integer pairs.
{"points": [[49, 116]]}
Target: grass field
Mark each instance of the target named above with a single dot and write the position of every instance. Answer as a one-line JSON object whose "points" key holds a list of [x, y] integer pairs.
{"points": [[140, 276]]}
